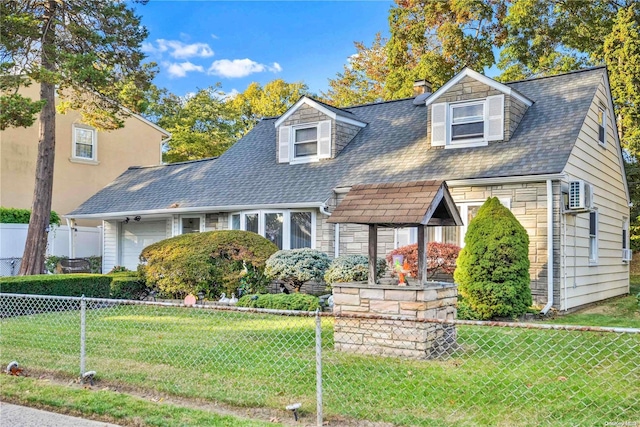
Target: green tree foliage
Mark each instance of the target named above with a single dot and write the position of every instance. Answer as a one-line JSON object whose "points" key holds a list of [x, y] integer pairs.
{"points": [[352, 268], [210, 262], [434, 40], [22, 216], [493, 267], [272, 99], [207, 123], [201, 125], [89, 52], [297, 266], [362, 80]]}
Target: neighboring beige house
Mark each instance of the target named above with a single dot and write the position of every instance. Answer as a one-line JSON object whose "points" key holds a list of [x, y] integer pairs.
{"points": [[85, 159], [547, 148]]}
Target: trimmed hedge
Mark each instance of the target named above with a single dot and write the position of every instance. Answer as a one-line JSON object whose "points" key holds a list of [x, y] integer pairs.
{"points": [[22, 216], [301, 302], [76, 285], [127, 285]]}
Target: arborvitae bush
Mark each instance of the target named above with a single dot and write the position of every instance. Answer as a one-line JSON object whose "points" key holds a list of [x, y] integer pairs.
{"points": [[211, 262], [297, 266], [352, 268], [493, 268]]}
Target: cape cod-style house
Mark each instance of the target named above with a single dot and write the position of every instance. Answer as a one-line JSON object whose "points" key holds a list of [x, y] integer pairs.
{"points": [[546, 147]]}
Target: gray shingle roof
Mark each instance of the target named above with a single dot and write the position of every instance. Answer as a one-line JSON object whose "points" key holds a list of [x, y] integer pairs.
{"points": [[392, 148]]}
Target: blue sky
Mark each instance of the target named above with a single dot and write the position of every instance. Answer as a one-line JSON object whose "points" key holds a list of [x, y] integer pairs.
{"points": [[199, 43]]}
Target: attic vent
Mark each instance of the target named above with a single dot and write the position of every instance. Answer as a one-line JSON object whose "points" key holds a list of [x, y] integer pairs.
{"points": [[580, 195]]}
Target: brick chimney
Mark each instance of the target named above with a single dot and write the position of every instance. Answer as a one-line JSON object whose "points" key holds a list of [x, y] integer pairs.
{"points": [[421, 86]]}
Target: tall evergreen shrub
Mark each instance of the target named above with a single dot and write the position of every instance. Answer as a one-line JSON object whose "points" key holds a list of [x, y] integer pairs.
{"points": [[493, 268]]}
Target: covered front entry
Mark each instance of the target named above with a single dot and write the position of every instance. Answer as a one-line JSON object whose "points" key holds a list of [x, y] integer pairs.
{"points": [[135, 236]]}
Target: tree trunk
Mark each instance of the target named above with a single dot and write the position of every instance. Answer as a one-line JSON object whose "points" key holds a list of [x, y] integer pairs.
{"points": [[36, 244]]}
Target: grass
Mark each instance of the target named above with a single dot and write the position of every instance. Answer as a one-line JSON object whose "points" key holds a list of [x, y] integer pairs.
{"points": [[498, 376], [621, 312], [109, 406]]}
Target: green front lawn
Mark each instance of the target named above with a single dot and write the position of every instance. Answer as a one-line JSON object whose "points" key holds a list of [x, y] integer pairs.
{"points": [[498, 376], [109, 406], [622, 312]]}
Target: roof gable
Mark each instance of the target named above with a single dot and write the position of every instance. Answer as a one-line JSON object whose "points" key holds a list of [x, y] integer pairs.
{"points": [[468, 72], [330, 111]]}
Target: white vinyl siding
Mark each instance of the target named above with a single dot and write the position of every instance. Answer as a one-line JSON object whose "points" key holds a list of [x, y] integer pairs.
{"points": [[601, 166], [109, 245]]}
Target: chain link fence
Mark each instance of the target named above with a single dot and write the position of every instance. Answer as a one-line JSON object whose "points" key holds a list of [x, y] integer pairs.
{"points": [[10, 266], [344, 370]]}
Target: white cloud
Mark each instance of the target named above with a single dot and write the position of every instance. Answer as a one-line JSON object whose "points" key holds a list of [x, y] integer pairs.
{"points": [[240, 68], [178, 49], [181, 69]]}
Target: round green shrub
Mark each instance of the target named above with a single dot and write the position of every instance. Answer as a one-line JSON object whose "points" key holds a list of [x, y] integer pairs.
{"points": [[352, 268], [493, 268], [298, 301], [297, 266], [211, 262]]}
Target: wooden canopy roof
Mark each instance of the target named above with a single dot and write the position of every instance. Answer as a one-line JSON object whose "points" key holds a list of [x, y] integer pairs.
{"points": [[400, 204]]}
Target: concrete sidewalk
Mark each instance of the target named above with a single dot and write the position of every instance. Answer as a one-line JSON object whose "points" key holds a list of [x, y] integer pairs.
{"points": [[23, 416]]}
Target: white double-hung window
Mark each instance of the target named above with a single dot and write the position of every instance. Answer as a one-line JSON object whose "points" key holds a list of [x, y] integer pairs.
{"points": [[467, 121], [287, 229], [305, 142], [84, 143]]}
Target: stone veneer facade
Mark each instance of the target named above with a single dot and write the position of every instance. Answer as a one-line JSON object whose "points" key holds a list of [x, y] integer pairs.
{"points": [[389, 320]]}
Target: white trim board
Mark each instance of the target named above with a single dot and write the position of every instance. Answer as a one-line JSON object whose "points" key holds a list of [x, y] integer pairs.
{"points": [[324, 110], [483, 79]]}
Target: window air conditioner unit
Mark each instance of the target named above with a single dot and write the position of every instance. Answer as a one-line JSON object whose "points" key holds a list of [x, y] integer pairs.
{"points": [[580, 195], [627, 254]]}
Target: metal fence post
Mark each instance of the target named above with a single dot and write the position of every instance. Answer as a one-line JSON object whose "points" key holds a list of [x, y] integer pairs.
{"points": [[318, 368], [83, 309]]}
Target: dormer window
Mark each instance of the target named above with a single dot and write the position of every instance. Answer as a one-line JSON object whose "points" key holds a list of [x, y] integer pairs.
{"points": [[467, 121], [305, 142], [467, 124]]}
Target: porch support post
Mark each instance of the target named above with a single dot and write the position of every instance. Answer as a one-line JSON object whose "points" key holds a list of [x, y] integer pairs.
{"points": [[422, 255], [373, 252]]}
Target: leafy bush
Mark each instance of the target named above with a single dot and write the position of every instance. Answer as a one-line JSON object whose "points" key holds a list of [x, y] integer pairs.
{"points": [[119, 269], [22, 216], [127, 285], [298, 301], [297, 266], [89, 285], [441, 257], [352, 268], [493, 267], [210, 262]]}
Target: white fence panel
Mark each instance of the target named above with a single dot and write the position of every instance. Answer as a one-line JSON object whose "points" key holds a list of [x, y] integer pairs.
{"points": [[87, 241]]}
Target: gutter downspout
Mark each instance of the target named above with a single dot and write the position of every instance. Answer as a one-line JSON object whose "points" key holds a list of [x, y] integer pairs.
{"points": [[547, 307], [336, 229]]}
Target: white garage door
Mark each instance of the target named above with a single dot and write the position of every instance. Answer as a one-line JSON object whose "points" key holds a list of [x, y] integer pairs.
{"points": [[136, 236]]}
